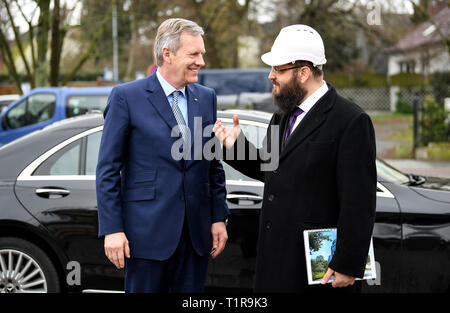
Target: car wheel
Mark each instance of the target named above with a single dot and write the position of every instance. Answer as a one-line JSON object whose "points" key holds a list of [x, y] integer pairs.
{"points": [[25, 268]]}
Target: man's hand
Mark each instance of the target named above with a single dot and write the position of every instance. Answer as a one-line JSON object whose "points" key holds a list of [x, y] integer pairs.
{"points": [[116, 245], [227, 135], [340, 280], [220, 237]]}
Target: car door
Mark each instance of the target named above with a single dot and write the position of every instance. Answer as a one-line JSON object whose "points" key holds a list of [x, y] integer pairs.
{"points": [[235, 268], [58, 188], [29, 114], [387, 243]]}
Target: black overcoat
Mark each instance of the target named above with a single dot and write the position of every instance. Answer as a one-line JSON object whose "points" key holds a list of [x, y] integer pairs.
{"points": [[326, 177]]}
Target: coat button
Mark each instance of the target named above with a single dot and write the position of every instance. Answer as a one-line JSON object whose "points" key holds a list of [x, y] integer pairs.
{"points": [[182, 198], [268, 225], [271, 197]]}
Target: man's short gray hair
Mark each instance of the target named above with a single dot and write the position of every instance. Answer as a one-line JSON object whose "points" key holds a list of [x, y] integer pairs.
{"points": [[169, 36]]}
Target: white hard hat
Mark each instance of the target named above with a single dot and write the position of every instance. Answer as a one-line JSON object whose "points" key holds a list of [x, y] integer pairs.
{"points": [[296, 42]]}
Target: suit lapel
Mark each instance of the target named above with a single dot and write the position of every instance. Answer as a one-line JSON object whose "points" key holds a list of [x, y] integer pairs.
{"points": [[193, 109], [283, 125], [313, 120], [159, 101]]}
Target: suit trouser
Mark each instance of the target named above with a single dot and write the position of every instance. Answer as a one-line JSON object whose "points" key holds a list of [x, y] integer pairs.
{"points": [[184, 272]]}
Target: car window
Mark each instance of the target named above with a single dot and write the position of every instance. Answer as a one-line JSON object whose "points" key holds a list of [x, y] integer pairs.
{"points": [[255, 134], [93, 147], [16, 117], [34, 109], [78, 105], [64, 162]]}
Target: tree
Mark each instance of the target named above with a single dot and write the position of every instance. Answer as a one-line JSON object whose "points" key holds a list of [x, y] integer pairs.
{"points": [[53, 22], [315, 240], [341, 23], [223, 22], [92, 45], [319, 265], [141, 14]]}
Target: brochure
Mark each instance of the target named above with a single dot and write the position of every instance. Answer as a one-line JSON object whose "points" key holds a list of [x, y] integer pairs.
{"points": [[320, 245]]}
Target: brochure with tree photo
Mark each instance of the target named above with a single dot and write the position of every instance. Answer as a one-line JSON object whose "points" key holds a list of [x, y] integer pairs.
{"points": [[320, 245]]}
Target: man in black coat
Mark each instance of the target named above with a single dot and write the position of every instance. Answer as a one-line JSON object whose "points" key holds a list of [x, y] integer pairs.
{"points": [[324, 175]]}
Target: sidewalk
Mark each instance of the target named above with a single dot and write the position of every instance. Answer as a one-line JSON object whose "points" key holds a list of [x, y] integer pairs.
{"points": [[421, 167]]}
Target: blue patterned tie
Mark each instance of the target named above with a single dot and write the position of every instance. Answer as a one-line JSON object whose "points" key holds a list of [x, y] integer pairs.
{"points": [[178, 115], [292, 119]]}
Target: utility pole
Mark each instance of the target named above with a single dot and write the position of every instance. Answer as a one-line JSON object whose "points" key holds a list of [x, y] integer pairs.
{"points": [[115, 46]]}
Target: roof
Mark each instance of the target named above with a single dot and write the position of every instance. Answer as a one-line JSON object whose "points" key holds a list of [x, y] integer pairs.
{"points": [[76, 90], [254, 115], [424, 34]]}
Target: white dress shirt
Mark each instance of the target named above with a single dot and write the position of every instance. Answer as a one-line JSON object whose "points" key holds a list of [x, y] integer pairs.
{"points": [[309, 102], [169, 89]]}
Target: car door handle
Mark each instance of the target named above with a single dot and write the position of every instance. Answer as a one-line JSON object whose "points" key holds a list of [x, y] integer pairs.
{"points": [[52, 193], [244, 198]]}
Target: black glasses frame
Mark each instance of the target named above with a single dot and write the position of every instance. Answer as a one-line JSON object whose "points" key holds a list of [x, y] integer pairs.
{"points": [[285, 69]]}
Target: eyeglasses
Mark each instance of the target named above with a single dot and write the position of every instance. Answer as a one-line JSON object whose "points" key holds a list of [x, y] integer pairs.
{"points": [[276, 70]]}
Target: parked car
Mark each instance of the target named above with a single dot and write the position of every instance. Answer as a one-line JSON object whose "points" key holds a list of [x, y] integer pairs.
{"points": [[240, 88], [43, 106], [48, 218], [5, 100]]}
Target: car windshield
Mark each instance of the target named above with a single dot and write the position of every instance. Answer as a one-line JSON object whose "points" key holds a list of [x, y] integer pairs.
{"points": [[390, 174]]}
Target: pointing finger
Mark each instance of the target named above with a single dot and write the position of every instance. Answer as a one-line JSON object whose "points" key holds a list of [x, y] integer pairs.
{"points": [[235, 120]]}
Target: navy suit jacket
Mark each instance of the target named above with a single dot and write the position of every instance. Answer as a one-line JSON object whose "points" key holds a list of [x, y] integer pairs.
{"points": [[141, 189]]}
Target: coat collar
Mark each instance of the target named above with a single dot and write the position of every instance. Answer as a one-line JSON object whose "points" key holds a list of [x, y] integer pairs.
{"points": [[313, 119]]}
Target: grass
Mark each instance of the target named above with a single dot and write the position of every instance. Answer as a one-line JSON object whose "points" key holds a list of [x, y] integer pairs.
{"points": [[438, 151], [434, 150], [318, 275], [405, 135], [390, 117], [403, 151]]}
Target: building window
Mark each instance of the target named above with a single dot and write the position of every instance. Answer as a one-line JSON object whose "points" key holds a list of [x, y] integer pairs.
{"points": [[408, 66]]}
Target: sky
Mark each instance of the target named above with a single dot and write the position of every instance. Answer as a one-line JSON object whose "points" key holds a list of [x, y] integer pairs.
{"points": [[28, 6], [325, 249]]}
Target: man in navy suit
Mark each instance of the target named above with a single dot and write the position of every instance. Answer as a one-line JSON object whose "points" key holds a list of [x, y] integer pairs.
{"points": [[162, 216]]}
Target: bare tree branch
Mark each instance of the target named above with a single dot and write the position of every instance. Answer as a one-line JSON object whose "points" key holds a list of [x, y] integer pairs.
{"points": [[92, 45], [30, 32], [19, 44], [55, 45], [9, 60]]}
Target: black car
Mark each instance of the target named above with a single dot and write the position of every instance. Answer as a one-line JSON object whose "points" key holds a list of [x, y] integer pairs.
{"points": [[48, 218]]}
